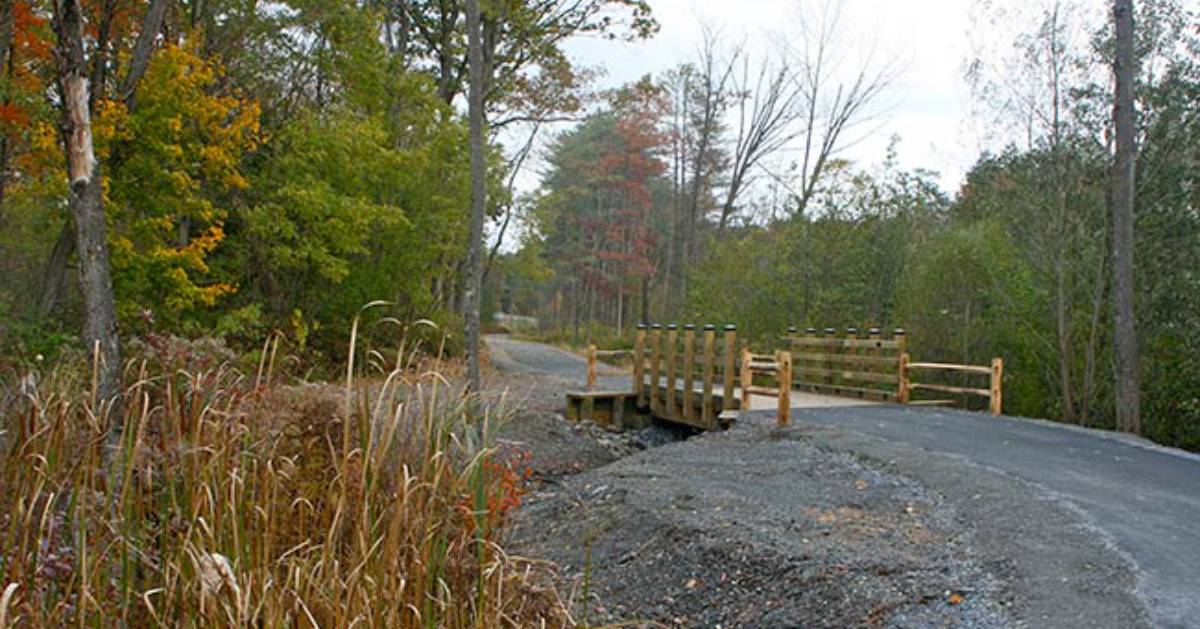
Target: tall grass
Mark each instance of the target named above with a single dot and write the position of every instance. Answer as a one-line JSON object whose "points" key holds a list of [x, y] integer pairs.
{"points": [[233, 501]]}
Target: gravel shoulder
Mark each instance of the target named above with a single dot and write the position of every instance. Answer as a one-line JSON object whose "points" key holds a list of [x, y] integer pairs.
{"points": [[810, 526]]}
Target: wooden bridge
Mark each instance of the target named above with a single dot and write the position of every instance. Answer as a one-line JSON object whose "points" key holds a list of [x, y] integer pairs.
{"points": [[691, 377]]}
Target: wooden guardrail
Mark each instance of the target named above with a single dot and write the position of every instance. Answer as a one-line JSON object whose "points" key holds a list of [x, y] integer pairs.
{"points": [[593, 353], [778, 365], [993, 393], [669, 363], [668, 366], [850, 365]]}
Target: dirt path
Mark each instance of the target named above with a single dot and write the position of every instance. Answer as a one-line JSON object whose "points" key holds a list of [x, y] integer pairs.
{"points": [[813, 526]]}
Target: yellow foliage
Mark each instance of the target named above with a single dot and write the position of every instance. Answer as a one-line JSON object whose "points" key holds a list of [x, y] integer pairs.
{"points": [[181, 149]]}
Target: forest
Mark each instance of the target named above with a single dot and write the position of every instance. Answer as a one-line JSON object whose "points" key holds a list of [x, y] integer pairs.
{"points": [[272, 171], [717, 193]]}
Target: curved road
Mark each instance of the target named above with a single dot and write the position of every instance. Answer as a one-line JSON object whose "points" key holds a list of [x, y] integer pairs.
{"points": [[1139, 500]]}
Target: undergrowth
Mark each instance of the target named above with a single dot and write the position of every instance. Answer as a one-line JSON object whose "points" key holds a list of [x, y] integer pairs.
{"points": [[219, 498]]}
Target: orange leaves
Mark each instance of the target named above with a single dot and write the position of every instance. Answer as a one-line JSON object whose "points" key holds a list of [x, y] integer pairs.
{"points": [[13, 115], [31, 37], [505, 485]]}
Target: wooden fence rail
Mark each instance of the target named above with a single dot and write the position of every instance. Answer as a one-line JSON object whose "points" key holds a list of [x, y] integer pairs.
{"points": [[778, 365], [993, 393], [850, 364]]}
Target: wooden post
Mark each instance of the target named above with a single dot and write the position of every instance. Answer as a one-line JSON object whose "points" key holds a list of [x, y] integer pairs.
{"points": [[730, 360], [874, 366], [833, 349], [591, 367], [851, 335], [901, 364], [655, 366], [706, 402], [783, 360], [689, 369], [747, 379], [997, 401], [672, 341], [639, 365]]}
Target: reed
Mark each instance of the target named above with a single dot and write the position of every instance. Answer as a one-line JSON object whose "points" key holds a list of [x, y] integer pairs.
{"points": [[234, 500]]}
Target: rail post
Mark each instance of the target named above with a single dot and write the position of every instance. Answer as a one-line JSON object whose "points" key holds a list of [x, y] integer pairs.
{"points": [[639, 365], [996, 402], [783, 359], [689, 368], [902, 379], [672, 341], [591, 367], [727, 399], [747, 378], [655, 364], [706, 401]]}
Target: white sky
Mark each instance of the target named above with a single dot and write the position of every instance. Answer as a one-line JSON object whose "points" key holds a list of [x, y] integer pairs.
{"points": [[926, 40]]}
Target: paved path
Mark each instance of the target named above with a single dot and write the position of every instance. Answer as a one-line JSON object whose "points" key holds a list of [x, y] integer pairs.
{"points": [[1141, 500], [1144, 498]]}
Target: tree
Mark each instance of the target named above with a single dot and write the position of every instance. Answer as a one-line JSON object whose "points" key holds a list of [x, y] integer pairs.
{"points": [[831, 107], [474, 281], [1123, 181], [86, 202], [767, 112]]}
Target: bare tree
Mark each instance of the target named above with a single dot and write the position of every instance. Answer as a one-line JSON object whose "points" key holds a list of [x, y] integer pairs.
{"points": [[474, 283], [708, 96], [767, 112], [831, 107], [1124, 329], [86, 203]]}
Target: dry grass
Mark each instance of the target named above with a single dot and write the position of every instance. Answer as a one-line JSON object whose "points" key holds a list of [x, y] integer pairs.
{"points": [[231, 501]]}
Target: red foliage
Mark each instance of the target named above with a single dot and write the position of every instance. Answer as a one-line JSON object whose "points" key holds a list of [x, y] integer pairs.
{"points": [[505, 481]]}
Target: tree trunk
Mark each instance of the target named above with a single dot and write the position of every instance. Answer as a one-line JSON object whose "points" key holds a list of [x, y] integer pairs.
{"points": [[54, 276], [86, 203], [1124, 330], [474, 275]]}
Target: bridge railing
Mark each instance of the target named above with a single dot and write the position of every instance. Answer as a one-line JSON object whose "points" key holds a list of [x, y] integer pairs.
{"points": [[849, 364], [690, 376], [669, 364]]}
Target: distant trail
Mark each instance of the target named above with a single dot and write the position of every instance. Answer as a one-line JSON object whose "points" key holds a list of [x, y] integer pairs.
{"points": [[1086, 528]]}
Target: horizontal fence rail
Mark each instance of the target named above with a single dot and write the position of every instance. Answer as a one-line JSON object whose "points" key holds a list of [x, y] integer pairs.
{"points": [[993, 393]]}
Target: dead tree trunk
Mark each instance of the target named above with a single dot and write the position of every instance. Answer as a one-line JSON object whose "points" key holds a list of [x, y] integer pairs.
{"points": [[86, 203], [1124, 330]]}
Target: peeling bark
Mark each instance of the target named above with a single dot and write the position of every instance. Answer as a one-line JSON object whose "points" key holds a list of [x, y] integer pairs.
{"points": [[86, 203]]}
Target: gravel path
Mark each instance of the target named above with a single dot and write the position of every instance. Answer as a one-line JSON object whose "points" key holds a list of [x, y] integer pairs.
{"points": [[855, 516]]}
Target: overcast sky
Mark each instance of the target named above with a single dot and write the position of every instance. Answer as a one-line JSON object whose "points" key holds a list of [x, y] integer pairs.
{"points": [[926, 40]]}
